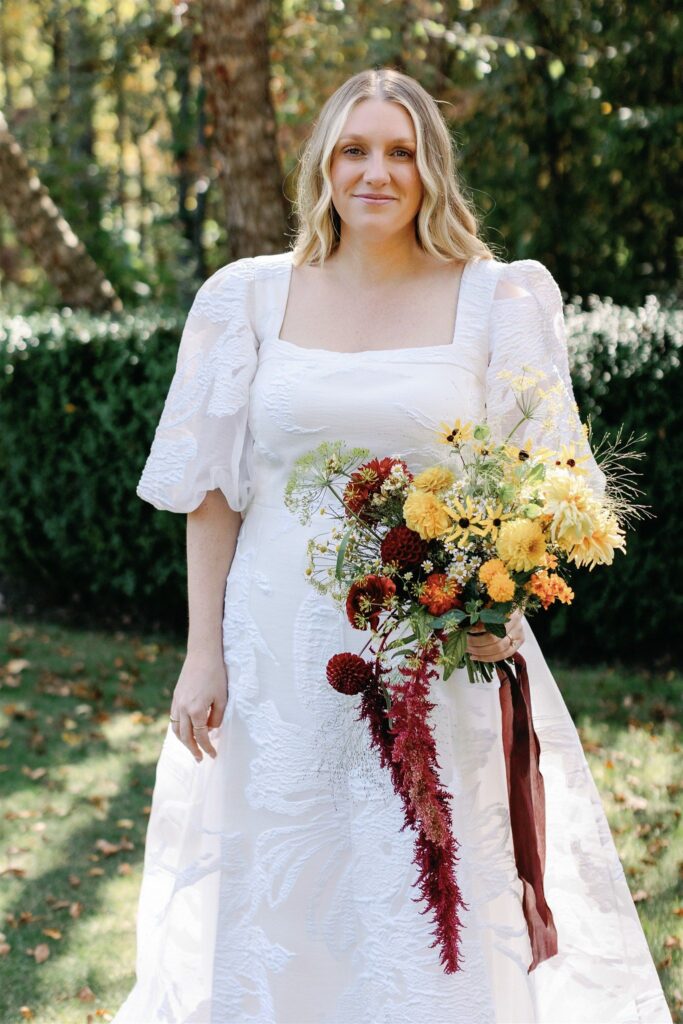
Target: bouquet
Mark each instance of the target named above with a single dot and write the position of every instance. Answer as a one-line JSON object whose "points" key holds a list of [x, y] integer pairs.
{"points": [[421, 559]]}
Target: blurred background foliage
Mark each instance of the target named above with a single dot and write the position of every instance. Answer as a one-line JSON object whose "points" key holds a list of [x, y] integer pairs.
{"points": [[568, 120], [568, 123]]}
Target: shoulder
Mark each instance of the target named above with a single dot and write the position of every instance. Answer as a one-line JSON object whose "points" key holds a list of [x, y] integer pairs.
{"points": [[521, 279], [245, 271]]}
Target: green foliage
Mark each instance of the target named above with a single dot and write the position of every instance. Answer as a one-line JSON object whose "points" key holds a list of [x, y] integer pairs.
{"points": [[80, 397], [627, 369]]}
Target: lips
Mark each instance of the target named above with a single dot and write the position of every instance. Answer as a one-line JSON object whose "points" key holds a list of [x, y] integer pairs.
{"points": [[367, 195]]}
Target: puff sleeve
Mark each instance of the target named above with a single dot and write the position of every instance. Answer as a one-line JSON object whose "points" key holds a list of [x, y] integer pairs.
{"points": [[527, 342], [202, 439]]}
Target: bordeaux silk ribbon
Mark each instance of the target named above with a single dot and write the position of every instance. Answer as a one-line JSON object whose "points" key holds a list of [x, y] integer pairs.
{"points": [[526, 796]]}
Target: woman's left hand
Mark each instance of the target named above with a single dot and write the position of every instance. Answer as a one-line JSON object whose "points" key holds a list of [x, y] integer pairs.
{"points": [[483, 646]]}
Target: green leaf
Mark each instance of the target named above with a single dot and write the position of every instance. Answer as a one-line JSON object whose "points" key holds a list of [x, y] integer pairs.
{"points": [[454, 648], [341, 553]]}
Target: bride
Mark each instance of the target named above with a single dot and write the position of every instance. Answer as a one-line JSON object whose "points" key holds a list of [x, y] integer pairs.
{"points": [[278, 887]]}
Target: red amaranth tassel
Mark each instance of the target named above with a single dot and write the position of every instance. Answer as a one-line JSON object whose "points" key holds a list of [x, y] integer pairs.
{"points": [[408, 749]]}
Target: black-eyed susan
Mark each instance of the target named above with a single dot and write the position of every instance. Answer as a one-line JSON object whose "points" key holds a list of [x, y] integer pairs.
{"points": [[569, 458], [455, 434], [494, 519], [466, 518]]}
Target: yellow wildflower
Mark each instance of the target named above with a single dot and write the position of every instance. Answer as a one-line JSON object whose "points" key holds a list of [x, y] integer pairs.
{"points": [[521, 544], [456, 434], [568, 458], [466, 519], [435, 478], [494, 520], [424, 513]]}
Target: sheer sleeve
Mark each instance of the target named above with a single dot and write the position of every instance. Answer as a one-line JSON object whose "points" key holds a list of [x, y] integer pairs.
{"points": [[527, 344], [202, 440]]}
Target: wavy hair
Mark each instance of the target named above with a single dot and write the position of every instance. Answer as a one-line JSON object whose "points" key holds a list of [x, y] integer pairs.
{"points": [[446, 225]]}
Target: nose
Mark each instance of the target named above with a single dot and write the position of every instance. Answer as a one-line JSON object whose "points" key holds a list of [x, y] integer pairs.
{"points": [[375, 169]]}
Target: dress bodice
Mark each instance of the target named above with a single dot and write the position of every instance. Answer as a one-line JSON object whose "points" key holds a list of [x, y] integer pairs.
{"points": [[390, 401]]}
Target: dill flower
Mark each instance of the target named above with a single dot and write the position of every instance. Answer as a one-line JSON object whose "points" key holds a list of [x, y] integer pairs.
{"points": [[521, 544], [425, 514]]}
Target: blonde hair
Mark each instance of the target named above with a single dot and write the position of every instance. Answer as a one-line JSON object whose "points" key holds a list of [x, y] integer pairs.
{"points": [[446, 225]]}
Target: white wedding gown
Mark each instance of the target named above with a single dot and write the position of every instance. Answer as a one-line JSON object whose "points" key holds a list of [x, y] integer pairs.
{"points": [[278, 885]]}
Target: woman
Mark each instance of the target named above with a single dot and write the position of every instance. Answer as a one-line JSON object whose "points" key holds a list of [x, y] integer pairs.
{"points": [[278, 885]]}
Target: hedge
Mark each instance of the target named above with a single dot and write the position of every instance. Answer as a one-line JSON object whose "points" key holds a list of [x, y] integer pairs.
{"points": [[80, 397]]}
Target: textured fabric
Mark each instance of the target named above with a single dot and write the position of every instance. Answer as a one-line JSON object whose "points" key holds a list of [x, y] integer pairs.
{"points": [[278, 887]]}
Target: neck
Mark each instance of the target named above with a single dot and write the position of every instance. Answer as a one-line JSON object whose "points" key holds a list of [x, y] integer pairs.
{"points": [[376, 261]]}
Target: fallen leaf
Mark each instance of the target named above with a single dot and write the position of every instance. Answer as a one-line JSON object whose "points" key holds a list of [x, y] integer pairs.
{"points": [[4, 948], [26, 1012], [106, 847], [41, 952], [76, 908], [673, 942], [16, 665], [74, 881], [640, 894], [52, 933], [86, 994]]}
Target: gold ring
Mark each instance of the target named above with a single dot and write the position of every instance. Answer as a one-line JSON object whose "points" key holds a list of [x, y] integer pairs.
{"points": [[173, 719]]}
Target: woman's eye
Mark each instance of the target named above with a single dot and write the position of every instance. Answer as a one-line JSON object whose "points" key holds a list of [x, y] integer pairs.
{"points": [[352, 149]]}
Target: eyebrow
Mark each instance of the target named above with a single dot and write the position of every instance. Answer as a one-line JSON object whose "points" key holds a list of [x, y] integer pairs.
{"points": [[403, 141]]}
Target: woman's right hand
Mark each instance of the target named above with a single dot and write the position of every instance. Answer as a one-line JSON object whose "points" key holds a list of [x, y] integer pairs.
{"points": [[199, 701]]}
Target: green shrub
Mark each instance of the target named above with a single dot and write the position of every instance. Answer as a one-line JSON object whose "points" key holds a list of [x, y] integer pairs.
{"points": [[80, 397]]}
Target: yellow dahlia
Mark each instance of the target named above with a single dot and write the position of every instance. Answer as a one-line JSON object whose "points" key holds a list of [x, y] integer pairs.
{"points": [[493, 567], [436, 478], [425, 514], [572, 505], [598, 547], [521, 544], [501, 587]]}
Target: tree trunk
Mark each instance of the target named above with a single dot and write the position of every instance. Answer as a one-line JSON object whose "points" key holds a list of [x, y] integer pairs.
{"points": [[40, 226], [235, 63]]}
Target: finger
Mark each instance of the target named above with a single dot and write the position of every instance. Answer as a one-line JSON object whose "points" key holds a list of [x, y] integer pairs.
{"points": [[187, 735], [201, 735], [216, 714]]}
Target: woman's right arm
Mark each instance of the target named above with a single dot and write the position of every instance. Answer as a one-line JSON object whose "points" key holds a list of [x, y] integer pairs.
{"points": [[201, 693]]}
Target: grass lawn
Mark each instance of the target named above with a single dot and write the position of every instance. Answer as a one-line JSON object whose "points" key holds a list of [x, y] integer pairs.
{"points": [[82, 718]]}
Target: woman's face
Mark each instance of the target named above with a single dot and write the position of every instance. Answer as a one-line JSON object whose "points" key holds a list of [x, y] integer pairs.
{"points": [[375, 155]]}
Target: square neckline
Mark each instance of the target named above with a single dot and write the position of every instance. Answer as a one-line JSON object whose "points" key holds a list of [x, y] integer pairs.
{"points": [[457, 328]]}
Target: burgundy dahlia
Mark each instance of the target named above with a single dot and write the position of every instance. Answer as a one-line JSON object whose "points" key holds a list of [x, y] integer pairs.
{"points": [[403, 546], [367, 598], [367, 481], [349, 673]]}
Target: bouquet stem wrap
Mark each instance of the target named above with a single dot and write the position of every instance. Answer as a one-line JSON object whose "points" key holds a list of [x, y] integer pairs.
{"points": [[526, 795]]}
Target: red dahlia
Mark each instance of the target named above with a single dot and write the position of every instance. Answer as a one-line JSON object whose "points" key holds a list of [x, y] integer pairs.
{"points": [[403, 546], [367, 598], [349, 673], [366, 481]]}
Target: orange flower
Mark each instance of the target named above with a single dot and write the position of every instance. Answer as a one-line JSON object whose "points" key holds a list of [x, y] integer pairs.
{"points": [[440, 593], [549, 587]]}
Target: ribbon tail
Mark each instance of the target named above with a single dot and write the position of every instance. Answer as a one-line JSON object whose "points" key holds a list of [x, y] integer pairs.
{"points": [[526, 796]]}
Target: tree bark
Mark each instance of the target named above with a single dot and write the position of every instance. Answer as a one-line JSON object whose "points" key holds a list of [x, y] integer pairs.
{"points": [[40, 226], [235, 63]]}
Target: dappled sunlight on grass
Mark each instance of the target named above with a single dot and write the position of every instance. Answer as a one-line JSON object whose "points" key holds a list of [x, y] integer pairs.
{"points": [[83, 716]]}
